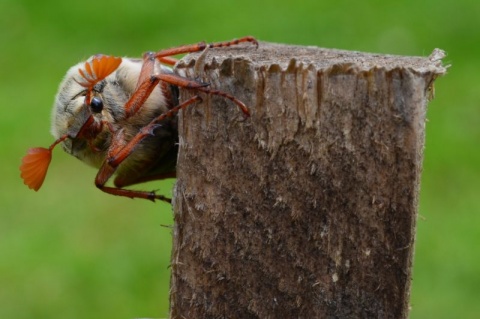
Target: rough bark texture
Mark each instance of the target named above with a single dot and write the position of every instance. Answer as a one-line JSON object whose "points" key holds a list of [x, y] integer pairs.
{"points": [[307, 209]]}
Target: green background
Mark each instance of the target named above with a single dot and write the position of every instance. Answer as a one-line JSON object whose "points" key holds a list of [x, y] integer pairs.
{"points": [[70, 251]]}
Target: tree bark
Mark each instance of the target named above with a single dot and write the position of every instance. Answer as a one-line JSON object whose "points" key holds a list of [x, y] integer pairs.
{"points": [[308, 208]]}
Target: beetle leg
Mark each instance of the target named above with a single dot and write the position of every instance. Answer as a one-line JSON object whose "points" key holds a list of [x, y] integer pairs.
{"points": [[122, 182], [104, 174], [147, 81], [119, 151], [168, 60], [146, 86], [201, 46], [119, 156], [197, 86]]}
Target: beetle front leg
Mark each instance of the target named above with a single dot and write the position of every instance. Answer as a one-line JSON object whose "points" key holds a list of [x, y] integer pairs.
{"points": [[163, 54], [147, 82]]}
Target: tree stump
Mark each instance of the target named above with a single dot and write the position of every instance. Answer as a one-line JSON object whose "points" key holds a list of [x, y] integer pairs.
{"points": [[306, 209]]}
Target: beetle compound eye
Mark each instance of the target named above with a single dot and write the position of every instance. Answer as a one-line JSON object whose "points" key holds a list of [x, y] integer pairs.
{"points": [[96, 105]]}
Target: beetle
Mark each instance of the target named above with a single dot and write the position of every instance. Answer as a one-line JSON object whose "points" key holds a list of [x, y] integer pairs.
{"points": [[119, 115]]}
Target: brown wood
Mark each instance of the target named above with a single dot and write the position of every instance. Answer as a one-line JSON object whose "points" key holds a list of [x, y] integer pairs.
{"points": [[308, 208]]}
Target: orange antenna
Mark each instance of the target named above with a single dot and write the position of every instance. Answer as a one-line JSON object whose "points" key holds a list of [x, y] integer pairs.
{"points": [[34, 167], [35, 164], [96, 70]]}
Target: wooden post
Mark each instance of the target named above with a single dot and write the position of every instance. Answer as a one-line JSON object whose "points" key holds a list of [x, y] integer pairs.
{"points": [[308, 208]]}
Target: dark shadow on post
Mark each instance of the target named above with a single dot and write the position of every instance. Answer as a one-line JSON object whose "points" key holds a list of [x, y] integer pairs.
{"points": [[308, 208]]}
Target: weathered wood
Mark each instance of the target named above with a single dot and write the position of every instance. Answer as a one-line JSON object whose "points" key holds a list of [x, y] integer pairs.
{"points": [[307, 209]]}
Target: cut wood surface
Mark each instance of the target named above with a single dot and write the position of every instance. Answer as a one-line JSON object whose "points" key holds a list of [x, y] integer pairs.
{"points": [[306, 209]]}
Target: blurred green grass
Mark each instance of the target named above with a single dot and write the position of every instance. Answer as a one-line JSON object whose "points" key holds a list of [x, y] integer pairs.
{"points": [[71, 251]]}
